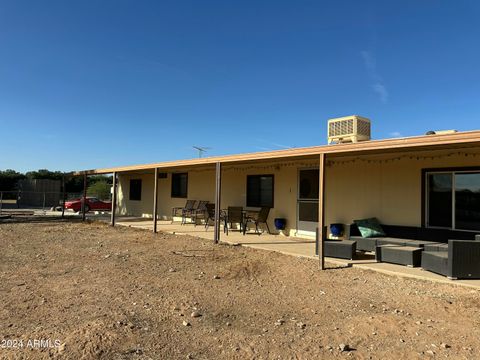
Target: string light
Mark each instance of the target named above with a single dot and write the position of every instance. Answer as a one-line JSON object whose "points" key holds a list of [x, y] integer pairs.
{"points": [[274, 166], [399, 158], [279, 165]]}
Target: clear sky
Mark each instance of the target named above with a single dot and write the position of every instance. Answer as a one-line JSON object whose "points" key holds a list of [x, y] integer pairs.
{"points": [[87, 84]]}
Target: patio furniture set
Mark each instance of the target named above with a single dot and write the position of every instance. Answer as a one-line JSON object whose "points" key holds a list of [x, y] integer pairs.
{"points": [[452, 253], [196, 211]]}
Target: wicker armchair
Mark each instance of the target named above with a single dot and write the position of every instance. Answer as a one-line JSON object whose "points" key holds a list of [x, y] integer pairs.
{"points": [[460, 261]]}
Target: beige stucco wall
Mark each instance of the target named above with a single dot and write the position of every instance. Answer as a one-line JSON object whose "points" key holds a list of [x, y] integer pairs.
{"points": [[201, 186], [389, 187]]}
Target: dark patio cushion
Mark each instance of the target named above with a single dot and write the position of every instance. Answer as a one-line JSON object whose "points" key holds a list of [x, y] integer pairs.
{"points": [[435, 247], [422, 243], [393, 241]]}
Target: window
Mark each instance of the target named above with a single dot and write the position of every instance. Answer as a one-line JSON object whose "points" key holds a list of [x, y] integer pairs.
{"points": [[179, 185], [453, 199], [136, 189], [260, 190]]}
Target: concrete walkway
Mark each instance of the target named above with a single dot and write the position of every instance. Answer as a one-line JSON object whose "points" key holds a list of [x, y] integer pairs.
{"points": [[290, 246]]}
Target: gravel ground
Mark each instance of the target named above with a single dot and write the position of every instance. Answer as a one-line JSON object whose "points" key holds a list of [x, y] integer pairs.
{"points": [[88, 291]]}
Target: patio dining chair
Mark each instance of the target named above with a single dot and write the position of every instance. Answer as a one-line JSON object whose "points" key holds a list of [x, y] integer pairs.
{"points": [[235, 216], [199, 212], [182, 211], [210, 216], [260, 218]]}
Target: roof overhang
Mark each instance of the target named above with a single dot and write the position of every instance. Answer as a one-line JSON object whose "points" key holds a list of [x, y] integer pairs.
{"points": [[425, 142]]}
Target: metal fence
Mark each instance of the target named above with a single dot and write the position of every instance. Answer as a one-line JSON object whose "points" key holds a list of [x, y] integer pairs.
{"points": [[44, 203]]}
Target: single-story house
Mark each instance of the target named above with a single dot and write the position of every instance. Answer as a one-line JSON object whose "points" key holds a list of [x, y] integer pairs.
{"points": [[426, 181]]}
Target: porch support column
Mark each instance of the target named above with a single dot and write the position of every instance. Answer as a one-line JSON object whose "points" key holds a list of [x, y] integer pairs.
{"points": [[155, 204], [114, 198], [64, 193], [321, 213], [84, 200], [218, 191]]}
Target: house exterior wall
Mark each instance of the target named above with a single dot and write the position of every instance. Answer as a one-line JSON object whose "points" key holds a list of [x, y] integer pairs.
{"points": [[389, 187], [201, 186]]}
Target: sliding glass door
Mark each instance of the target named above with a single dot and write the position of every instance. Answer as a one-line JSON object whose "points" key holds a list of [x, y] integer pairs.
{"points": [[467, 201], [440, 200], [453, 200]]}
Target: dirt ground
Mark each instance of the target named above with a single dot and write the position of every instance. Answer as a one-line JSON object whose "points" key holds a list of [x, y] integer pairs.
{"points": [[88, 291]]}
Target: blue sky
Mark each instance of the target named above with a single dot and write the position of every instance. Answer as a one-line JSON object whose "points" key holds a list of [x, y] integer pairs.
{"points": [[90, 84]]}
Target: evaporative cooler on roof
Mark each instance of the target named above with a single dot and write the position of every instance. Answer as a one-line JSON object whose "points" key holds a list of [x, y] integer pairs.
{"points": [[348, 129]]}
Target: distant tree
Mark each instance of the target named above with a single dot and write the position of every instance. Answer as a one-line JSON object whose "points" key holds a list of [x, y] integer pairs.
{"points": [[44, 174], [9, 179], [95, 178], [100, 189], [74, 184]]}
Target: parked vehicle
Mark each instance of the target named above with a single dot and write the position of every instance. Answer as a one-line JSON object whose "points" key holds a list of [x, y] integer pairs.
{"points": [[92, 203]]}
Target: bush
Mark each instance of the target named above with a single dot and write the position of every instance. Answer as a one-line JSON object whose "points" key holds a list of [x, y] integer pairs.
{"points": [[100, 189], [9, 179]]}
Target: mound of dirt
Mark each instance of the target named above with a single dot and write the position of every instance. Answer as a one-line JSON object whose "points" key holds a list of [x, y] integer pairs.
{"points": [[90, 291]]}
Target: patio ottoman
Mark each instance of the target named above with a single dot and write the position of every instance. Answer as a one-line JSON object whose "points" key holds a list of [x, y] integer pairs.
{"points": [[344, 249], [403, 255], [365, 244]]}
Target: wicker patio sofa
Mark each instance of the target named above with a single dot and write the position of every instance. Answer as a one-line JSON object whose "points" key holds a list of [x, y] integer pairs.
{"points": [[408, 236], [456, 259]]}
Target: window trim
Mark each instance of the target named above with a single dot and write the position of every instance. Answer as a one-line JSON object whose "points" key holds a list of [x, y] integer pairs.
{"points": [[130, 190], [273, 189], [424, 200], [186, 185]]}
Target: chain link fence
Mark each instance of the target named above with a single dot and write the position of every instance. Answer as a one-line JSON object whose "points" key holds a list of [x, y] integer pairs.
{"points": [[29, 203]]}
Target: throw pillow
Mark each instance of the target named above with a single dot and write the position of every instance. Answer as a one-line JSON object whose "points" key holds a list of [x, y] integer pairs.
{"points": [[369, 227]]}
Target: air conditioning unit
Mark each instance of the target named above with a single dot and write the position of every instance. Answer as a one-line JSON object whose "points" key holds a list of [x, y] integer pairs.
{"points": [[348, 129]]}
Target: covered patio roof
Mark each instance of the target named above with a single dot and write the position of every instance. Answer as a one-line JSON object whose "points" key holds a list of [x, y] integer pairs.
{"points": [[424, 142]]}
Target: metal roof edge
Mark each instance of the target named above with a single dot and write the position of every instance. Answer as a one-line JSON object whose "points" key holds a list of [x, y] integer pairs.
{"points": [[393, 143]]}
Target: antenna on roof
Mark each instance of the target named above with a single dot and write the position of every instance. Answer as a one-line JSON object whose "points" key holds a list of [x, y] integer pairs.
{"points": [[201, 150]]}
